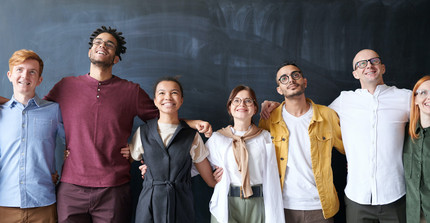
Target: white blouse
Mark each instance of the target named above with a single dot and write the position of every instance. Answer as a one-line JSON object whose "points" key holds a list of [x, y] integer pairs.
{"points": [[263, 169]]}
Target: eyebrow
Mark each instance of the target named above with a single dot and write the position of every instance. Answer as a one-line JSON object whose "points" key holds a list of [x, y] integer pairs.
{"points": [[105, 41]]}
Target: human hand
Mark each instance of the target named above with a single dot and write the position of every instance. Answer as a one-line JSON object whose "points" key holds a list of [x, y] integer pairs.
{"points": [[66, 154], [55, 177], [267, 107], [218, 173], [142, 169], [126, 152], [205, 128]]}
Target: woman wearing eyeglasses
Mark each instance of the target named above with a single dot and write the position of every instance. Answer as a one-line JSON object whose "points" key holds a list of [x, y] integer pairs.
{"points": [[416, 155], [249, 190]]}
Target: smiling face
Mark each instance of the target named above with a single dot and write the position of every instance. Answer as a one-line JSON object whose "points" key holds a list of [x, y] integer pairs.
{"points": [[423, 100], [168, 97], [241, 110], [102, 53], [371, 75], [25, 78], [293, 88]]}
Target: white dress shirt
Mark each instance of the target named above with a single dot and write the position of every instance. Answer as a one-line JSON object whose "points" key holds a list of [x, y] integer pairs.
{"points": [[373, 129]]}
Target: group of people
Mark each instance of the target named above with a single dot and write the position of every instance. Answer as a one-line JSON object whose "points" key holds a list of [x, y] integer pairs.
{"points": [[277, 171]]}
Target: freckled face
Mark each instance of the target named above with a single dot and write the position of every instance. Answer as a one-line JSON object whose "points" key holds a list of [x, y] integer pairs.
{"points": [[25, 77], [423, 101]]}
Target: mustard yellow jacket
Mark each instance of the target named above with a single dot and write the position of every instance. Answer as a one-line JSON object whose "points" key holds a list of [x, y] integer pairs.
{"points": [[324, 134]]}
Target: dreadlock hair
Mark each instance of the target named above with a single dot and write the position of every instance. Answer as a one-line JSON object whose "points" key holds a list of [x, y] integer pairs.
{"points": [[120, 49]]}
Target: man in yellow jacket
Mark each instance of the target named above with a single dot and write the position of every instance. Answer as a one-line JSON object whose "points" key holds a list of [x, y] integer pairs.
{"points": [[304, 134]]}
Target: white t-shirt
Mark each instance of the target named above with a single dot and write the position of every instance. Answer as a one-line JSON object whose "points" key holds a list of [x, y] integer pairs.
{"points": [[300, 191]]}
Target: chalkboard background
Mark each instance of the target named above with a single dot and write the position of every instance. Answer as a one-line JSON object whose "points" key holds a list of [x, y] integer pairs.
{"points": [[215, 45]]}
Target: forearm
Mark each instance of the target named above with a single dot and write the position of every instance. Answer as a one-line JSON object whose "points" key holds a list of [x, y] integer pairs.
{"points": [[205, 171]]}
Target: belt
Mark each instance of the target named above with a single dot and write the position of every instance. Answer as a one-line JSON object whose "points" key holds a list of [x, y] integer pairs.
{"points": [[235, 191]]}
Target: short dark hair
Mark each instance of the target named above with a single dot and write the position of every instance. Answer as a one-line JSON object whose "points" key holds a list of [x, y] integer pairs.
{"points": [[174, 79], [286, 63], [120, 49]]}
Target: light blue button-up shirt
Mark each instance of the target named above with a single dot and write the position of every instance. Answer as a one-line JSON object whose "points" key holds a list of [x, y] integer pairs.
{"points": [[27, 152]]}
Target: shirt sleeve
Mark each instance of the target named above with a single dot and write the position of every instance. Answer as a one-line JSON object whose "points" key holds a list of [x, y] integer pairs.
{"points": [[338, 144], [146, 108], [198, 150], [136, 147], [335, 105], [54, 92]]}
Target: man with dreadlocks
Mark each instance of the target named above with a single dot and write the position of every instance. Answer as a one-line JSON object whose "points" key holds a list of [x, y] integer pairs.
{"points": [[98, 110]]}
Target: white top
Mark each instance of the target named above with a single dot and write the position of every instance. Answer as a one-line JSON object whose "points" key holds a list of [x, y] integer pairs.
{"points": [[263, 169], [198, 150], [255, 161], [373, 129], [300, 192]]}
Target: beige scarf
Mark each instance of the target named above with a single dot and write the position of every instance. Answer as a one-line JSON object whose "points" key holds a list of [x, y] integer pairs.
{"points": [[241, 154]]}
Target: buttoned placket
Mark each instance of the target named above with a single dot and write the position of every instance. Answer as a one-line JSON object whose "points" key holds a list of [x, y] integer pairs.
{"points": [[98, 89], [22, 151], [419, 157], [373, 150]]}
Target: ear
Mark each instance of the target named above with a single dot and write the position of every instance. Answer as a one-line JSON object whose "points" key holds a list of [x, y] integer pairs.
{"points": [[89, 53], [9, 75], [116, 59], [39, 81], [355, 74], [305, 82], [382, 69], [278, 89]]}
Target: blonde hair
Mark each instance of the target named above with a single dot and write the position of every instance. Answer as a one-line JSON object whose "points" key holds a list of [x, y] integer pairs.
{"points": [[18, 57], [415, 110]]}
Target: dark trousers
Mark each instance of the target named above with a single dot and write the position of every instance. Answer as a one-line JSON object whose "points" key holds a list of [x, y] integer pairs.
{"points": [[389, 213], [93, 204]]}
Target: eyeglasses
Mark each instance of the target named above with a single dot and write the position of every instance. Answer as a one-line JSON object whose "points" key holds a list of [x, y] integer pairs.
{"points": [[295, 75], [108, 44], [247, 101], [363, 63], [422, 93]]}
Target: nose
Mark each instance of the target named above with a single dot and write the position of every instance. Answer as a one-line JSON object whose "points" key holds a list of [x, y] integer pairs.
{"points": [[369, 64], [25, 74], [103, 44]]}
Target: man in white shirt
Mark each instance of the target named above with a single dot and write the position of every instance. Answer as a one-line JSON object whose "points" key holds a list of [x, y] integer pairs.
{"points": [[304, 134], [372, 121]]}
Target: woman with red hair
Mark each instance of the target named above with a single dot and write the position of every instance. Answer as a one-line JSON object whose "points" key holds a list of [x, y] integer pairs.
{"points": [[416, 155]]}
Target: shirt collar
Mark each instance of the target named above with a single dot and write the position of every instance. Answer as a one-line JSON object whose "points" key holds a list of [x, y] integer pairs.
{"points": [[35, 100], [379, 88], [277, 113]]}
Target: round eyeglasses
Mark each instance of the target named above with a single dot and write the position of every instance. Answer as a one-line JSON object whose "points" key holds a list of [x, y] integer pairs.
{"points": [[422, 93], [363, 63], [108, 44], [247, 101], [295, 75]]}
